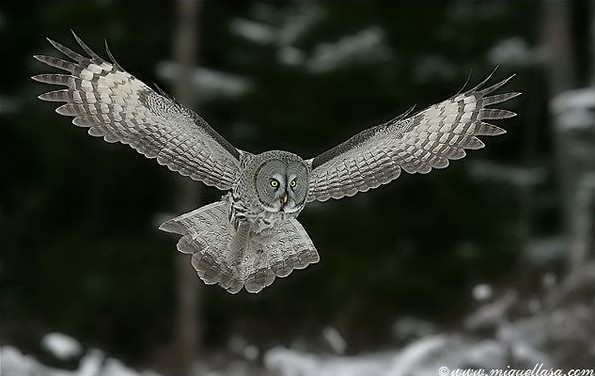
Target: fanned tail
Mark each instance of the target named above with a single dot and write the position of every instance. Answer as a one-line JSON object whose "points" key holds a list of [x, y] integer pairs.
{"points": [[235, 259]]}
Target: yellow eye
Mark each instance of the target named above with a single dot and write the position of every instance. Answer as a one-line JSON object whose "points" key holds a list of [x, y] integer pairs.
{"points": [[293, 183], [274, 183]]}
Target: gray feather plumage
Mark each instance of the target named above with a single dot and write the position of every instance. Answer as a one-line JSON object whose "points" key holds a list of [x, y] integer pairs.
{"points": [[237, 258], [115, 105], [252, 236], [418, 144]]}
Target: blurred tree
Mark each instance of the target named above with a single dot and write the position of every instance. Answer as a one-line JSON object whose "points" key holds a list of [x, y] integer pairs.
{"points": [[573, 138], [188, 318]]}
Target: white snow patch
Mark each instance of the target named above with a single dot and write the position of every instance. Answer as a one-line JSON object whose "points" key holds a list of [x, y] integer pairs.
{"points": [[299, 22], [257, 32], [515, 51], [334, 339], [366, 46], [251, 352], [482, 292], [415, 357], [281, 29], [420, 358], [408, 327], [15, 363], [94, 363], [286, 362], [114, 367], [61, 346], [543, 251], [488, 354], [492, 315], [91, 363], [209, 83], [575, 109], [520, 176]]}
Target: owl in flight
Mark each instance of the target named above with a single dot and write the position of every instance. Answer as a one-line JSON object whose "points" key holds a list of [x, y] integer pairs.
{"points": [[252, 235]]}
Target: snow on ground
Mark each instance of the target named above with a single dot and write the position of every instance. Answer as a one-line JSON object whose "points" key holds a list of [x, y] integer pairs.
{"points": [[335, 340], [287, 362], [423, 357], [93, 363], [61, 346], [558, 324]]}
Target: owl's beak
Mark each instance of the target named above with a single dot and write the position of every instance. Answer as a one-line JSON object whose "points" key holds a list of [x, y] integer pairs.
{"points": [[284, 198]]}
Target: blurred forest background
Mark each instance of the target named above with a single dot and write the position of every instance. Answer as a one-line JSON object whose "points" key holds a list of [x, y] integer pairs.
{"points": [[488, 263]]}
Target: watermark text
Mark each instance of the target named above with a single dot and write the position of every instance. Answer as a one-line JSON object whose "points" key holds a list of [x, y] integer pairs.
{"points": [[538, 370]]}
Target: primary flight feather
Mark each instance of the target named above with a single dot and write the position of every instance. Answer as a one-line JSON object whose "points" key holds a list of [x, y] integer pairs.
{"points": [[251, 236]]}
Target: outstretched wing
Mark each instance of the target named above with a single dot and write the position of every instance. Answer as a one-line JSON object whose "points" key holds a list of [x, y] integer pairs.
{"points": [[426, 140], [115, 105]]}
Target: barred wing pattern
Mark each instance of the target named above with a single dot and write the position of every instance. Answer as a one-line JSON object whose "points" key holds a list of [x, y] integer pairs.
{"points": [[426, 140], [115, 105]]}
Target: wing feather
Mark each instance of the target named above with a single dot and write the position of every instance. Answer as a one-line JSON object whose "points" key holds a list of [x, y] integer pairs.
{"points": [[115, 105], [417, 144]]}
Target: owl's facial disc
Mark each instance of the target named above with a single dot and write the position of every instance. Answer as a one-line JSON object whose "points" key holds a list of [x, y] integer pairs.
{"points": [[279, 188]]}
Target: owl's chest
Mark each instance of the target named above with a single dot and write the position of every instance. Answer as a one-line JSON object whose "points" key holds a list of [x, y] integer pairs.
{"points": [[242, 209]]}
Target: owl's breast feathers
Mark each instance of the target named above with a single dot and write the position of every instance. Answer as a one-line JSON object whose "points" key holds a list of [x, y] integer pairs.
{"points": [[259, 219]]}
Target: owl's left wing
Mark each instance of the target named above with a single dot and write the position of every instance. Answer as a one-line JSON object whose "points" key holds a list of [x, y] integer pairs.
{"points": [[117, 106], [426, 140]]}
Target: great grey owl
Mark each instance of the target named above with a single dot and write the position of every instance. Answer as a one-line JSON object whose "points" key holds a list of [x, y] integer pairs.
{"points": [[251, 235]]}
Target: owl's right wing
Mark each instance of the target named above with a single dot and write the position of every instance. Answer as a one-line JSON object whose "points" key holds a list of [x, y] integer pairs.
{"points": [[426, 140], [115, 105]]}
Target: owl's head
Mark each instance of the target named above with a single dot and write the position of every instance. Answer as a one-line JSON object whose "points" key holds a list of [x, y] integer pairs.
{"points": [[281, 181]]}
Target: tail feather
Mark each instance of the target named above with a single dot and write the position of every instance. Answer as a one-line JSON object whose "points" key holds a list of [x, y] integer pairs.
{"points": [[240, 258]]}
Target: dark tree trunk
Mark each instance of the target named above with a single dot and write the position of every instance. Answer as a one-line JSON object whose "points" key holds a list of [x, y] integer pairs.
{"points": [[557, 40], [188, 319], [574, 171]]}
